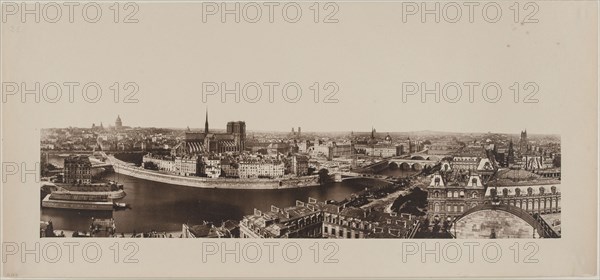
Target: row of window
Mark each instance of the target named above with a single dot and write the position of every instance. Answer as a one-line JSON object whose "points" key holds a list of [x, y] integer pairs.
{"points": [[456, 208], [437, 181], [542, 191], [79, 181], [67, 171], [535, 204], [456, 194], [340, 233], [342, 222]]}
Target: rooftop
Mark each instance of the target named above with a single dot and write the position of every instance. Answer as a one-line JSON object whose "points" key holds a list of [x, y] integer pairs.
{"points": [[520, 177]]}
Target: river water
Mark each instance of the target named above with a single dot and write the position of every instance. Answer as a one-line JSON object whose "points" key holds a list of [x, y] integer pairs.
{"points": [[165, 207]]}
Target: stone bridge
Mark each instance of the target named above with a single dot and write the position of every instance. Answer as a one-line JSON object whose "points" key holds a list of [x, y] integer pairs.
{"points": [[102, 165], [413, 163], [348, 175]]}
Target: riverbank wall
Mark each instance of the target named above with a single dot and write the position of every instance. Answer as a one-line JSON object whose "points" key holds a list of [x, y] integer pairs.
{"points": [[129, 169]]}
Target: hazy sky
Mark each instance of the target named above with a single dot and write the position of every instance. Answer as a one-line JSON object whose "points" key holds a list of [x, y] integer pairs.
{"points": [[369, 54]]}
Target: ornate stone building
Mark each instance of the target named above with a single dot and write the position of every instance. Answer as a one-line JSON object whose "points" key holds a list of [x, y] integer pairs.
{"points": [[523, 142], [321, 220], [452, 193], [78, 170], [541, 195], [233, 140], [118, 123]]}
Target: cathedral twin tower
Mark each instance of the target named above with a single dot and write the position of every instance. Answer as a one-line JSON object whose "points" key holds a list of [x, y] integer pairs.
{"points": [[233, 140]]}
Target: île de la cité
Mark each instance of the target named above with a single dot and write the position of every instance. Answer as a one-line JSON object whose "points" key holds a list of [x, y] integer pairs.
{"points": [[237, 181]]}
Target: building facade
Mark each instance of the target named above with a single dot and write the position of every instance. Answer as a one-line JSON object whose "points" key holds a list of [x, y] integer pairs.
{"points": [[77, 170], [342, 150], [299, 165], [163, 163], [541, 197], [118, 123], [209, 167], [450, 194], [383, 150], [261, 169], [523, 142], [233, 140], [468, 163], [300, 221], [321, 220], [187, 165]]}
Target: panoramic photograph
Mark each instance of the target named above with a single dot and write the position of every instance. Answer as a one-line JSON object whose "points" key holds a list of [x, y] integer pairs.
{"points": [[234, 180], [305, 139]]}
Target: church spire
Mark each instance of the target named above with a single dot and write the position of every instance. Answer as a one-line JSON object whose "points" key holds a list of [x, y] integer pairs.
{"points": [[206, 123]]}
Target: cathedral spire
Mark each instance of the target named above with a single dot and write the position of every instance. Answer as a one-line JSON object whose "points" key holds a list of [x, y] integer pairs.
{"points": [[206, 122]]}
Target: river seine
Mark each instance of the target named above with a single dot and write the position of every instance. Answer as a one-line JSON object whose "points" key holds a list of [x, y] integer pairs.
{"points": [[165, 207]]}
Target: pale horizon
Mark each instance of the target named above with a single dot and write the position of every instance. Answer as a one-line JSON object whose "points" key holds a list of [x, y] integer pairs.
{"points": [[109, 125]]}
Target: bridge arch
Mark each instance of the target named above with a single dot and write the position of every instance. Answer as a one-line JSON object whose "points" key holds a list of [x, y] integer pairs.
{"points": [[433, 157], [405, 166], [535, 221], [417, 166], [418, 157]]}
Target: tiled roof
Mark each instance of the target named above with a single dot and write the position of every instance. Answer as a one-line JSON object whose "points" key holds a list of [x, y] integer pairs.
{"points": [[195, 147]]}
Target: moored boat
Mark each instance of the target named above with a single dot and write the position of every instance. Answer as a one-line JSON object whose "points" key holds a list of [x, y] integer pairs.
{"points": [[67, 200], [120, 205]]}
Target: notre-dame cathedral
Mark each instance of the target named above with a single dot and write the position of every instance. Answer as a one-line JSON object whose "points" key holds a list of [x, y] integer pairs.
{"points": [[206, 142]]}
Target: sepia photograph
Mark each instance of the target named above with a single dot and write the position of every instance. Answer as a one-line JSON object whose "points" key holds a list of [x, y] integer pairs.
{"points": [[233, 182], [391, 139]]}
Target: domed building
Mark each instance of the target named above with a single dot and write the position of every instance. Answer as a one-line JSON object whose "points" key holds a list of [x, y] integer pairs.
{"points": [[388, 139]]}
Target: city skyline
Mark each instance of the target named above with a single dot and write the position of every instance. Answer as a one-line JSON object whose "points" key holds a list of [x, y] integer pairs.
{"points": [[217, 126], [170, 92], [342, 139], [434, 186]]}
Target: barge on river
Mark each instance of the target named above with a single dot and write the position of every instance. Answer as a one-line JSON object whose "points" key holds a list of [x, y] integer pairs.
{"points": [[68, 200]]}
